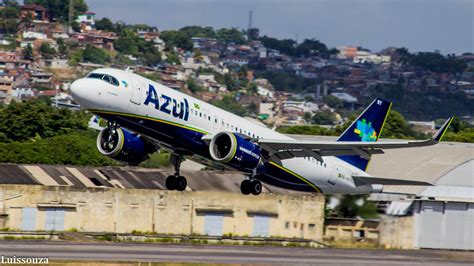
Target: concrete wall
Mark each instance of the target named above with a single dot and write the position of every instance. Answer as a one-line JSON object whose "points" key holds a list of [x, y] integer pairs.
{"points": [[397, 232], [170, 212]]}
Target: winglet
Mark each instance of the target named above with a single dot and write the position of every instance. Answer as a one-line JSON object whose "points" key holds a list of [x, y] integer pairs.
{"points": [[442, 130]]}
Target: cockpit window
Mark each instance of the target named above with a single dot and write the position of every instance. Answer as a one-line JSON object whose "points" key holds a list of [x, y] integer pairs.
{"points": [[104, 77]]}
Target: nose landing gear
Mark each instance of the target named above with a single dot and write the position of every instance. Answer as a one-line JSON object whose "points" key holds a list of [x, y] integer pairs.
{"points": [[176, 181]]}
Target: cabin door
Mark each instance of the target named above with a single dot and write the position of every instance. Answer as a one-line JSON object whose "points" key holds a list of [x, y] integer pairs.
{"points": [[137, 89]]}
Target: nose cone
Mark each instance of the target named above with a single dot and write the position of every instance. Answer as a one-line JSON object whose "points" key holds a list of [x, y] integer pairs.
{"points": [[79, 91]]}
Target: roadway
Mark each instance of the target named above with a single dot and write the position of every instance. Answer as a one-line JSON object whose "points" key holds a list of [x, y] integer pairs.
{"points": [[138, 252]]}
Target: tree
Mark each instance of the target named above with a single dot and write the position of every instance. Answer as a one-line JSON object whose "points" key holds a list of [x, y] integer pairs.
{"points": [[229, 103], [173, 58], [332, 101], [324, 118], [26, 120], [95, 55], [198, 31], [75, 57], [47, 51], [310, 47], [105, 24], [287, 81], [174, 38], [354, 206], [9, 17], [232, 35], [129, 43], [192, 86], [28, 52], [63, 49], [59, 10], [286, 46]]}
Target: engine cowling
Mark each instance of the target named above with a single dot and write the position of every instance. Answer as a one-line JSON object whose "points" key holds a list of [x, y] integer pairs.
{"points": [[232, 149], [123, 145]]}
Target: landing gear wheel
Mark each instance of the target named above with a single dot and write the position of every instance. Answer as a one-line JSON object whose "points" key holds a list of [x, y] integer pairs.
{"points": [[171, 182], [180, 183], [255, 187], [245, 187]]}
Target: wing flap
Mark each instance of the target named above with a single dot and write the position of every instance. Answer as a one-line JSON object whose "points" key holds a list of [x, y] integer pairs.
{"points": [[369, 180]]}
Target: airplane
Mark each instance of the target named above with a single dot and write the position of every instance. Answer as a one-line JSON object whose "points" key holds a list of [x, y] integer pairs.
{"points": [[144, 116]]}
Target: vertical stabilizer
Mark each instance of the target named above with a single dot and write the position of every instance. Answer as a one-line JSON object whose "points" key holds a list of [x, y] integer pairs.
{"points": [[367, 127]]}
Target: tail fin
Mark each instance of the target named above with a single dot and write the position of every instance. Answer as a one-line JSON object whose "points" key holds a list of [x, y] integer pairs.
{"points": [[367, 127]]}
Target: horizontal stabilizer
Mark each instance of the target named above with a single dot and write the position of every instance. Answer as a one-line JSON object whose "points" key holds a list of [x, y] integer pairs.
{"points": [[369, 180]]}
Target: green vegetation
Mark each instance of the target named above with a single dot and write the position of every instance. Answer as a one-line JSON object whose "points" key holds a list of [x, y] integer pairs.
{"points": [[59, 10], [193, 87], [307, 130], [332, 101], [309, 47], [130, 44], [36, 119], [174, 38], [353, 206], [460, 131], [28, 53], [423, 105], [287, 81], [71, 149], [35, 132], [47, 51], [105, 24], [63, 48], [9, 17], [434, 62], [324, 118], [95, 55], [229, 103]]}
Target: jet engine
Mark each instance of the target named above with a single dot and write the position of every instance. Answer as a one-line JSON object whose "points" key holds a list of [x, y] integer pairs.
{"points": [[123, 145], [235, 150]]}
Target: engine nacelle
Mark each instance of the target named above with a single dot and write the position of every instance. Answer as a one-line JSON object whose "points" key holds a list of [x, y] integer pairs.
{"points": [[123, 145], [232, 149]]}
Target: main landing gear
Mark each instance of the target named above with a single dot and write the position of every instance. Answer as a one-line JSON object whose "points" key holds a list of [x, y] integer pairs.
{"points": [[176, 181], [251, 185]]}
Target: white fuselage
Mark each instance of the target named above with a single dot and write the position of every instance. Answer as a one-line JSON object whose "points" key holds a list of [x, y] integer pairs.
{"points": [[330, 176]]}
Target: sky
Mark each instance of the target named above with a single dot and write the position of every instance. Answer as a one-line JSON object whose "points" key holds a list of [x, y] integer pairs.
{"points": [[419, 25]]}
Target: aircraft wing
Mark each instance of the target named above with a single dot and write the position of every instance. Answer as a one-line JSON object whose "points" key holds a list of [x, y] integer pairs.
{"points": [[369, 180], [284, 149]]}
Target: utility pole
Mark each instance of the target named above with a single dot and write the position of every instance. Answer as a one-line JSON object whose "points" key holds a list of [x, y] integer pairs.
{"points": [[249, 27], [71, 15]]}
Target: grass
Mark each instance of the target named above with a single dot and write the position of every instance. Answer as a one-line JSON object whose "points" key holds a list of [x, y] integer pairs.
{"points": [[24, 238], [353, 244]]}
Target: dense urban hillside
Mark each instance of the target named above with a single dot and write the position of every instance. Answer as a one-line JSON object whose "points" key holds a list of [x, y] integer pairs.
{"points": [[297, 87]]}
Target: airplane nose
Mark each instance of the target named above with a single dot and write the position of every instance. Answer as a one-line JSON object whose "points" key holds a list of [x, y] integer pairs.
{"points": [[78, 90]]}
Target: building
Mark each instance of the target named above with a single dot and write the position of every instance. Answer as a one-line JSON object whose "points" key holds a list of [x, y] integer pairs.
{"points": [[6, 91], [438, 217], [36, 12], [87, 18], [351, 229], [123, 200]]}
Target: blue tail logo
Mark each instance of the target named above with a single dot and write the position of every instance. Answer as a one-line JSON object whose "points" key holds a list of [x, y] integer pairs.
{"points": [[365, 131], [367, 128]]}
